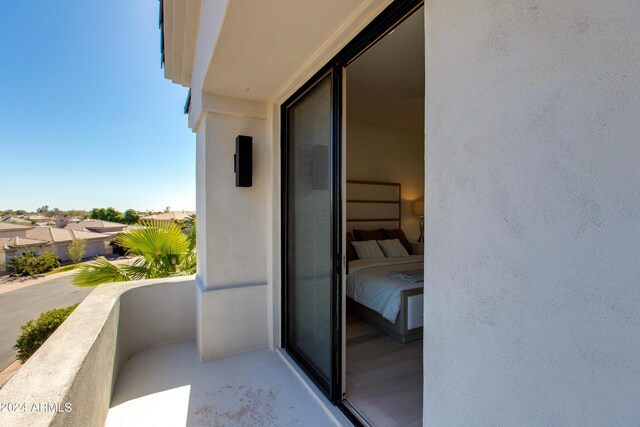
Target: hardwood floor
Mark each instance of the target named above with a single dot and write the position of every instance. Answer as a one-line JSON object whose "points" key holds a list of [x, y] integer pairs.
{"points": [[384, 376]]}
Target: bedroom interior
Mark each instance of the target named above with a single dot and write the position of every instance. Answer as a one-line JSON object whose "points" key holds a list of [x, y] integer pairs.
{"points": [[383, 228]]}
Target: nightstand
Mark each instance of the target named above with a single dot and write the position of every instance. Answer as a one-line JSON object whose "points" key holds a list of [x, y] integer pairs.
{"points": [[417, 248]]}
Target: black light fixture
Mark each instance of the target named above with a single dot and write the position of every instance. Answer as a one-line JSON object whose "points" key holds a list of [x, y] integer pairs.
{"points": [[243, 161]]}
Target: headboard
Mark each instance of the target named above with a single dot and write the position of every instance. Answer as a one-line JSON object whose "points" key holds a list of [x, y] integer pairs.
{"points": [[372, 205]]}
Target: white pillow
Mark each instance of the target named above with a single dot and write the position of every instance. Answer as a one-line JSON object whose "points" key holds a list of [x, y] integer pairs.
{"points": [[367, 249], [392, 248]]}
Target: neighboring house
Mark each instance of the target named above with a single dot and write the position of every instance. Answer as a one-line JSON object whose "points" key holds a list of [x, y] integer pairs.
{"points": [[111, 229], [98, 226], [11, 247], [8, 233], [19, 220], [529, 141], [40, 219], [8, 229], [60, 239], [168, 216]]}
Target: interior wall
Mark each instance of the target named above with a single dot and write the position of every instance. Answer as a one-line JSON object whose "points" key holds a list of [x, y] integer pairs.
{"points": [[532, 303], [376, 153]]}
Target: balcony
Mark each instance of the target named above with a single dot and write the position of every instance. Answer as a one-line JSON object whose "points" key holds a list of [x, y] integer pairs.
{"points": [[127, 356]]}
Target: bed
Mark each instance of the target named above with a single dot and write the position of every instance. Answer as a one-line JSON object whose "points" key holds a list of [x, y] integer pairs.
{"points": [[391, 305]]}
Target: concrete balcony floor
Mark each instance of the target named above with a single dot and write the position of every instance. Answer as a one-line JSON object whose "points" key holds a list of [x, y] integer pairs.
{"points": [[168, 386]]}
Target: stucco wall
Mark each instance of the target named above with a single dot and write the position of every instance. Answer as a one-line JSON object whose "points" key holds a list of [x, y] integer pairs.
{"points": [[532, 306], [234, 217], [232, 232], [79, 364], [13, 233], [60, 249], [92, 249]]}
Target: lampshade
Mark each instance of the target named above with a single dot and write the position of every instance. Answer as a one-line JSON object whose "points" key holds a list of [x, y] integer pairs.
{"points": [[417, 207]]}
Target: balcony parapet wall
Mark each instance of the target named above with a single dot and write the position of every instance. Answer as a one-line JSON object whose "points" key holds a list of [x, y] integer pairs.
{"points": [[69, 380]]}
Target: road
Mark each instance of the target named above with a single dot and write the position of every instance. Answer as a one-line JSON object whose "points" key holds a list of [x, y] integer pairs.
{"points": [[21, 305]]}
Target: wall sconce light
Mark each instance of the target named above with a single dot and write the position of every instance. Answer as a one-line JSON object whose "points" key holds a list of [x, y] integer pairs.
{"points": [[417, 208], [243, 161]]}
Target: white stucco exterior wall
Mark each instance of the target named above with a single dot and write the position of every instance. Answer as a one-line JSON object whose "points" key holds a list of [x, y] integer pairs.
{"points": [[231, 301], [235, 216], [532, 184]]}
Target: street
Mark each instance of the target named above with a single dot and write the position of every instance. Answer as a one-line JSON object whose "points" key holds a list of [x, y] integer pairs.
{"points": [[21, 305]]}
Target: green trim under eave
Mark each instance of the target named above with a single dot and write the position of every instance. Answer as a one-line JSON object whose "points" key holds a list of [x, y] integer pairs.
{"points": [[187, 104], [161, 25]]}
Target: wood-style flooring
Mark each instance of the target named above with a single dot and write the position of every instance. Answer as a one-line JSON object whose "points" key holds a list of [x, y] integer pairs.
{"points": [[384, 376]]}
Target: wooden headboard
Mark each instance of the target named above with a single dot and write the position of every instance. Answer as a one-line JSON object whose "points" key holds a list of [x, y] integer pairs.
{"points": [[372, 205]]}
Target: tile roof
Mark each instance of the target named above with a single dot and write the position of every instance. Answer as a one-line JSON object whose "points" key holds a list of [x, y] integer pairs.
{"points": [[15, 242], [94, 223], [56, 235], [7, 226], [168, 216]]}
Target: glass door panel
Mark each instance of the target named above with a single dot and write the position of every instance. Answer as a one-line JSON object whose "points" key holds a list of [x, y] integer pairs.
{"points": [[308, 242]]}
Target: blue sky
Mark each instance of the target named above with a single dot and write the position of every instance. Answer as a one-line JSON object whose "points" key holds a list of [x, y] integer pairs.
{"points": [[86, 116]]}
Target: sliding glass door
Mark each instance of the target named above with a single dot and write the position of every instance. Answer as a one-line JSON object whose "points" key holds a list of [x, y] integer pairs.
{"points": [[312, 261], [310, 232]]}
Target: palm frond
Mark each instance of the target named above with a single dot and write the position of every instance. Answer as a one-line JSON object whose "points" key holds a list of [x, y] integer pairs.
{"points": [[99, 271], [164, 250], [154, 239]]}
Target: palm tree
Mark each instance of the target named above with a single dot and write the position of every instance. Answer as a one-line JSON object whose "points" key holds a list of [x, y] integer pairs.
{"points": [[163, 249]]}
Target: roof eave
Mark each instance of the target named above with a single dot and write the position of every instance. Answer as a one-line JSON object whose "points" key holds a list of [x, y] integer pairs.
{"points": [[178, 23]]}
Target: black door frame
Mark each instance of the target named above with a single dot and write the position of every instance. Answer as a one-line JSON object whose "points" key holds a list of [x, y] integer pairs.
{"points": [[385, 22], [330, 387]]}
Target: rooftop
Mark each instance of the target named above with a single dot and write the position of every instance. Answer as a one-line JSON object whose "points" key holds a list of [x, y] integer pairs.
{"points": [[7, 226], [39, 218], [54, 234], [167, 216], [94, 223], [15, 242]]}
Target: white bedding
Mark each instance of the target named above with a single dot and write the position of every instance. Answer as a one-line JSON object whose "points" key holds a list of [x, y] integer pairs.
{"points": [[369, 284]]}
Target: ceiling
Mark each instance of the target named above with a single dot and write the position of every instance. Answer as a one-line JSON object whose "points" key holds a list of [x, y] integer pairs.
{"points": [[264, 43], [385, 86]]}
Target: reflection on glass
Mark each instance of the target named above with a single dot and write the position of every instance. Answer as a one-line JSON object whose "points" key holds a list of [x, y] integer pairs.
{"points": [[309, 227]]}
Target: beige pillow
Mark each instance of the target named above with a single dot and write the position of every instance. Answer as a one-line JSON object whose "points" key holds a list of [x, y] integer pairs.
{"points": [[392, 248], [368, 249]]}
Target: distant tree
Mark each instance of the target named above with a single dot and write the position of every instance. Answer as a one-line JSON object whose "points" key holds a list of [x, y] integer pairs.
{"points": [[113, 215], [21, 212], [76, 213], [109, 214], [76, 250], [43, 210], [130, 217], [98, 213], [167, 209], [188, 225]]}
